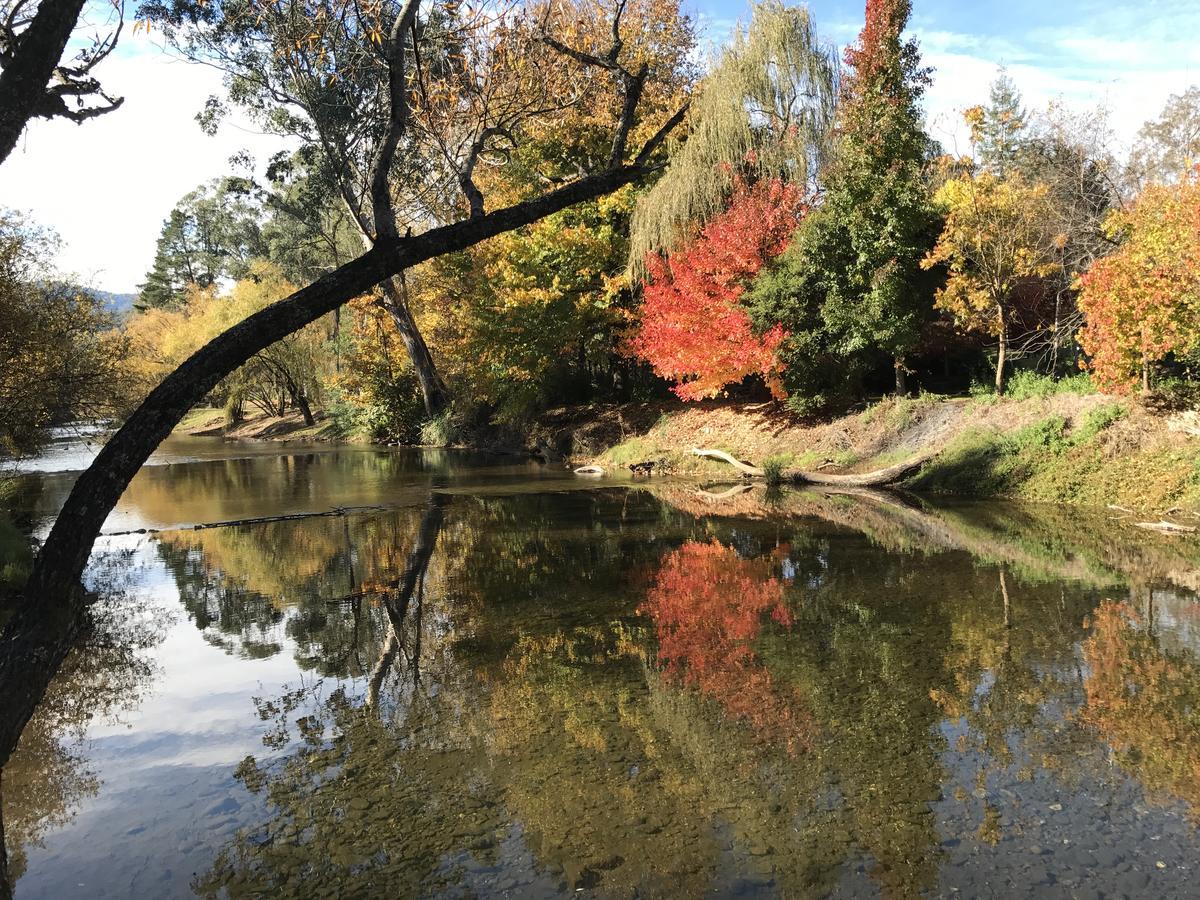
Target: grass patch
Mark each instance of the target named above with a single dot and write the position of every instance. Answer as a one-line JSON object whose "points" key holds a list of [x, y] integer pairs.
{"points": [[1027, 385], [633, 450], [1097, 420], [989, 463]]}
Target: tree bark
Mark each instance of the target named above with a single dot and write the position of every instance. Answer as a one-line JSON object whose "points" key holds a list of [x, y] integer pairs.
{"points": [[24, 78], [901, 377], [302, 404], [5, 884], [433, 388], [37, 638], [1002, 356]]}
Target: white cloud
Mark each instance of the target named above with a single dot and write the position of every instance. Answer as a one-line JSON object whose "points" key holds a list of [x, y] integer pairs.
{"points": [[107, 185], [1132, 85]]}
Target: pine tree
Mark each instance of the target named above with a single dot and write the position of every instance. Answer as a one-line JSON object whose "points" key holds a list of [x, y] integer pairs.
{"points": [[999, 129]]}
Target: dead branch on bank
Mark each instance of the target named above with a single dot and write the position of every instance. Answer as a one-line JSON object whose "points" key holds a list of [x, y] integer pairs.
{"points": [[889, 475]]}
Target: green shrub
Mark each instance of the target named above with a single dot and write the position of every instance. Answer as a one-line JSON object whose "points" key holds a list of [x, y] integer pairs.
{"points": [[233, 410], [1097, 420], [773, 468], [440, 431]]}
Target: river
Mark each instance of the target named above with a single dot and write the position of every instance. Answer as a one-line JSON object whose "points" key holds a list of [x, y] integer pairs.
{"points": [[487, 677]]}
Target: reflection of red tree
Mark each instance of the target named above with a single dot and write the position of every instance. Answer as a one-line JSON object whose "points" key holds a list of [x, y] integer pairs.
{"points": [[708, 607], [1143, 702]]}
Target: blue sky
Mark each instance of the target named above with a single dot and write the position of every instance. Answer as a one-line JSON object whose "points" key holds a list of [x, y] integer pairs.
{"points": [[107, 185], [1127, 57]]}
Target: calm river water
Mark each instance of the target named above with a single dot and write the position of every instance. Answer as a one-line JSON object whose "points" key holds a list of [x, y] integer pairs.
{"points": [[488, 678]]}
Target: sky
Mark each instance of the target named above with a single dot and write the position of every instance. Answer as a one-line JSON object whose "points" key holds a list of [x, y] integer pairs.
{"points": [[107, 185]]}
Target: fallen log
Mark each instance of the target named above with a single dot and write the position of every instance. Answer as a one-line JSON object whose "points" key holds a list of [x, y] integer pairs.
{"points": [[879, 477], [1166, 527]]}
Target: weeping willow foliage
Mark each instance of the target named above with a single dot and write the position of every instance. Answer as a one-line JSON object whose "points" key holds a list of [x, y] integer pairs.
{"points": [[765, 110]]}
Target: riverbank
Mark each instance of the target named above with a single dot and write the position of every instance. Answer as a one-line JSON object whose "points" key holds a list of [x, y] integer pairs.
{"points": [[1087, 449], [1074, 448], [208, 422]]}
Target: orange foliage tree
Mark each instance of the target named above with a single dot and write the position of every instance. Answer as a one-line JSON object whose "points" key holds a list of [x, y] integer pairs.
{"points": [[1142, 302], [708, 607], [1143, 701], [694, 329]]}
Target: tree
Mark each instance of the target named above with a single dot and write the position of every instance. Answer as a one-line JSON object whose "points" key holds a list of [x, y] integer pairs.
{"points": [[60, 358], [34, 82], [764, 111], [534, 318], [52, 612], [1142, 302], [998, 130], [693, 328], [211, 234], [858, 254], [1070, 153], [1168, 146], [994, 239]]}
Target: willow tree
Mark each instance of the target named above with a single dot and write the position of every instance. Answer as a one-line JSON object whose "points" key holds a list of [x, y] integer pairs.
{"points": [[53, 609], [765, 110]]}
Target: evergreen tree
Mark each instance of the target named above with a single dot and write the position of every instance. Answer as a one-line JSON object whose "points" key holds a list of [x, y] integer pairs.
{"points": [[214, 232], [999, 129], [851, 287]]}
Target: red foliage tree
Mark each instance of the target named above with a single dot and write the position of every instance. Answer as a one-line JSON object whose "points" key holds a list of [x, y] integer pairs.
{"points": [[694, 329], [708, 607]]}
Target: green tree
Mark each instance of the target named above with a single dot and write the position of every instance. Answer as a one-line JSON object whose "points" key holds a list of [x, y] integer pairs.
{"points": [[852, 285], [763, 111], [999, 129], [60, 358], [212, 233]]}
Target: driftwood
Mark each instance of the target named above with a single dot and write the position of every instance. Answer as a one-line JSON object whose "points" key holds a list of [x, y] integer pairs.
{"points": [[1166, 527], [256, 520], [879, 477]]}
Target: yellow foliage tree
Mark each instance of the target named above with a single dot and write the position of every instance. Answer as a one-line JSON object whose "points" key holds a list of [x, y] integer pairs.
{"points": [[287, 372], [993, 240]]}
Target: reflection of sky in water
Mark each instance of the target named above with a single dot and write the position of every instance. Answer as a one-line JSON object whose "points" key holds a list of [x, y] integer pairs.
{"points": [[542, 751]]}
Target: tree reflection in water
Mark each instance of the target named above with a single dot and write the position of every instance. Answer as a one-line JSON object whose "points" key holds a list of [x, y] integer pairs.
{"points": [[540, 693], [708, 607], [104, 676]]}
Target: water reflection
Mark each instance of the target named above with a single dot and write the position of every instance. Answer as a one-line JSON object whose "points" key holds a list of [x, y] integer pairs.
{"points": [[652, 692], [102, 680]]}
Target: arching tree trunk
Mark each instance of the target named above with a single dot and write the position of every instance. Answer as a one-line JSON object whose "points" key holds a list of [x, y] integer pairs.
{"points": [[52, 609]]}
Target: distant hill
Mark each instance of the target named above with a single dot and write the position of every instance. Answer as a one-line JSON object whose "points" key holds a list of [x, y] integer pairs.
{"points": [[118, 304]]}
